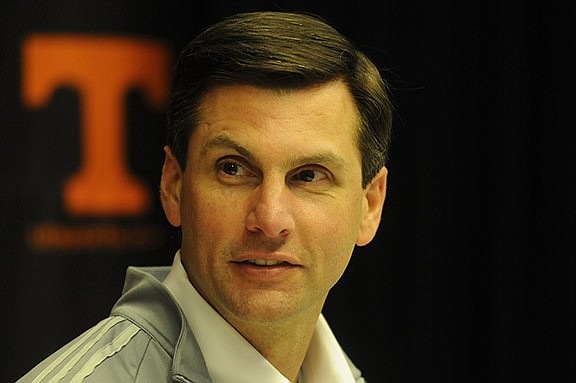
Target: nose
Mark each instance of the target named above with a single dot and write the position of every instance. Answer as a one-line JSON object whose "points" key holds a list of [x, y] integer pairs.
{"points": [[270, 212]]}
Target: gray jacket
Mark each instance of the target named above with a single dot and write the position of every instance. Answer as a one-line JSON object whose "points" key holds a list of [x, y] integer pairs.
{"points": [[145, 339]]}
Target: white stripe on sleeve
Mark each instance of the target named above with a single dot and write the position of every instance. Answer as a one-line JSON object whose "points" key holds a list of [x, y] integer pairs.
{"points": [[100, 330], [105, 352]]}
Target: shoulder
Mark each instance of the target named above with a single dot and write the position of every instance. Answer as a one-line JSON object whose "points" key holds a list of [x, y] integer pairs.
{"points": [[114, 350], [146, 339], [135, 344]]}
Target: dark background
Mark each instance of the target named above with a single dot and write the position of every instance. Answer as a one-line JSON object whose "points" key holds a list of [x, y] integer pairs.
{"points": [[471, 278]]}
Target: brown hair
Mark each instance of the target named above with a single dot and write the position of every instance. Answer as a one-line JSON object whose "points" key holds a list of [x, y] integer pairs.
{"points": [[279, 50]]}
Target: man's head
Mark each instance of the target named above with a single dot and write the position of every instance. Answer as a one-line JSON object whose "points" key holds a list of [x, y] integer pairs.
{"points": [[280, 51], [275, 164]]}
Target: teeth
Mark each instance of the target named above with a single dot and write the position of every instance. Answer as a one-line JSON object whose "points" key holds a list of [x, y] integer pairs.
{"points": [[264, 262]]}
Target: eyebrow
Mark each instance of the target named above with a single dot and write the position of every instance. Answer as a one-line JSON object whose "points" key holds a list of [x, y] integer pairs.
{"points": [[315, 158], [227, 142]]}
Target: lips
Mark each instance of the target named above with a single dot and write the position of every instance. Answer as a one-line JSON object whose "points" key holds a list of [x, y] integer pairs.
{"points": [[265, 268], [265, 262], [267, 259]]}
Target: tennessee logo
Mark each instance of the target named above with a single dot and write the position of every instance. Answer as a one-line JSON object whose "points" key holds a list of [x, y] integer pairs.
{"points": [[102, 69]]}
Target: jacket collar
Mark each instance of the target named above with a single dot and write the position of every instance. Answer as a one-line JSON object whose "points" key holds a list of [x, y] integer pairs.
{"points": [[147, 303]]}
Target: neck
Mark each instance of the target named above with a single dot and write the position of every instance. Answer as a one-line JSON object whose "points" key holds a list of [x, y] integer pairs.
{"points": [[284, 345]]}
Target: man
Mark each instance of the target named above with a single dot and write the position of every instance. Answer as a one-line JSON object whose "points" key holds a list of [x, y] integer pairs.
{"points": [[277, 139]]}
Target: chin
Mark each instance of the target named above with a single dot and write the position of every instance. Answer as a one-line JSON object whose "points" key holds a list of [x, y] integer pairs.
{"points": [[268, 308]]}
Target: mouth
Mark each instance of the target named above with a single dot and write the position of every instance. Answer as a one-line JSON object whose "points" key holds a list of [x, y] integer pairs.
{"points": [[263, 259], [266, 268], [266, 262]]}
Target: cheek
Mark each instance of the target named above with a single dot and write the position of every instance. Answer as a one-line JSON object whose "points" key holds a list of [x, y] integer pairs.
{"points": [[209, 215], [332, 231], [202, 218], [206, 232], [336, 219]]}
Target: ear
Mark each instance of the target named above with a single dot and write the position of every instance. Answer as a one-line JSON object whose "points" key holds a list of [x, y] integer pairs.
{"points": [[375, 194], [170, 187]]}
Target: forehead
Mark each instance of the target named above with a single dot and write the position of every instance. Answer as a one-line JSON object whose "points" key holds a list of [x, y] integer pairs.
{"points": [[279, 128], [314, 108]]}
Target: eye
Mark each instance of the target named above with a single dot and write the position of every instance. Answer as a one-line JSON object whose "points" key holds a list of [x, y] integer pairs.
{"points": [[232, 170], [309, 175]]}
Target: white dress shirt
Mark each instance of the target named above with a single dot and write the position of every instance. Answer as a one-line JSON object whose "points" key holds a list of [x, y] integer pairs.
{"points": [[230, 358]]}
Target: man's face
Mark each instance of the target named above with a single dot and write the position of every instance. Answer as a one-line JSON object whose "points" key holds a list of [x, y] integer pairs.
{"points": [[271, 203]]}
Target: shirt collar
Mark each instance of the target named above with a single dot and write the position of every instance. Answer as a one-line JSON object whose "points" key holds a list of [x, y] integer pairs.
{"points": [[230, 358]]}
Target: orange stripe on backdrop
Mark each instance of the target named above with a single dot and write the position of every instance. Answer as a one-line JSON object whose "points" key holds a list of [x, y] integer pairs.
{"points": [[102, 69]]}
